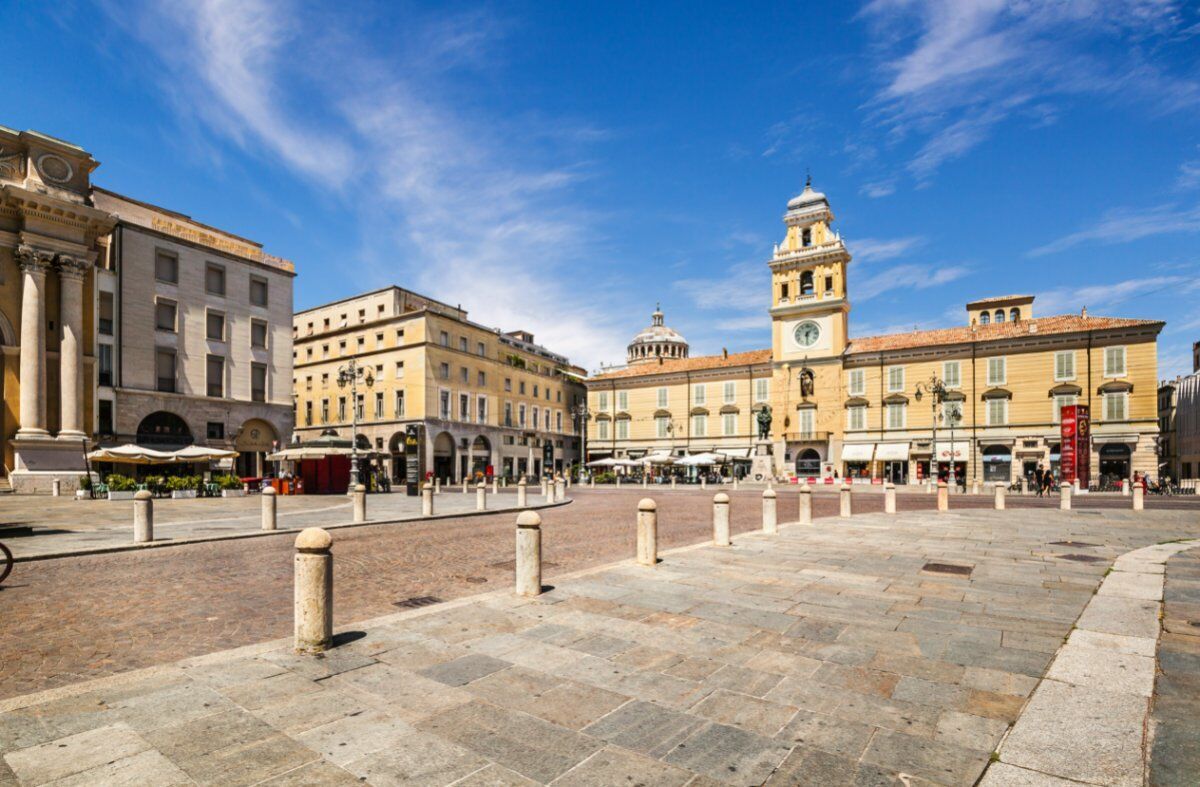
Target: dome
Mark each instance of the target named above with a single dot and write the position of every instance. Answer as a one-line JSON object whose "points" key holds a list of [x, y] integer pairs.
{"points": [[656, 341], [807, 198]]}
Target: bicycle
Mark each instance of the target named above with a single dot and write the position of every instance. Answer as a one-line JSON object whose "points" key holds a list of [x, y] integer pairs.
{"points": [[6, 562]]}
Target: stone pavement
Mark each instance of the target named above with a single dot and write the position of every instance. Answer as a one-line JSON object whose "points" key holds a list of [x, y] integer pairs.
{"points": [[1175, 725], [877, 650]]}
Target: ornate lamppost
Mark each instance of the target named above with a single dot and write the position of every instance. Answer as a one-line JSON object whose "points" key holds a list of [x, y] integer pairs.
{"points": [[350, 374], [936, 387], [581, 414]]}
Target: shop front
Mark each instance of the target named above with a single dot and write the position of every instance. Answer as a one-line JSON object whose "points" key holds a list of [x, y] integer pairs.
{"points": [[856, 460], [1114, 462], [949, 453], [997, 464], [893, 459]]}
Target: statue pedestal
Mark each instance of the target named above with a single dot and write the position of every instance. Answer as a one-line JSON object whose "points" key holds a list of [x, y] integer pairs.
{"points": [[762, 463]]}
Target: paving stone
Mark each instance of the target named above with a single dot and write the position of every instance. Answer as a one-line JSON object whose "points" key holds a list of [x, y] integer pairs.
{"points": [[614, 765], [807, 694], [406, 694], [998, 681], [194, 739], [1116, 615], [859, 679], [1079, 733], [940, 762], [246, 764], [907, 717], [75, 753], [691, 668], [172, 705], [1104, 669], [1001, 774], [1148, 587], [315, 774], [827, 733], [744, 681], [303, 712], [926, 692], [729, 755], [970, 732], [416, 759], [147, 767], [566, 703], [356, 736], [464, 669], [495, 776], [749, 713], [644, 727], [1134, 646], [256, 693], [333, 662]]}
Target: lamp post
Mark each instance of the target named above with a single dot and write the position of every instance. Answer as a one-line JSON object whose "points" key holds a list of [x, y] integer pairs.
{"points": [[350, 374], [936, 387], [581, 413]]}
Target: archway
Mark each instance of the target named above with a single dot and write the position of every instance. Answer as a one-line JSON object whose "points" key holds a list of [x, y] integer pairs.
{"points": [[253, 442], [399, 461], [7, 335], [480, 457], [1114, 462], [443, 455], [997, 464], [808, 463], [164, 430]]}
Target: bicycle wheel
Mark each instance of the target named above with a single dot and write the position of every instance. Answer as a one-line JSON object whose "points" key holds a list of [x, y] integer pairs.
{"points": [[7, 564]]}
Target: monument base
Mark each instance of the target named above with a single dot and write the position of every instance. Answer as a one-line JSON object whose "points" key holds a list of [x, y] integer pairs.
{"points": [[40, 461]]}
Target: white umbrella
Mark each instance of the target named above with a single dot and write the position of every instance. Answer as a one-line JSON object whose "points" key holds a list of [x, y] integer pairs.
{"points": [[659, 459], [607, 461], [132, 454], [706, 458], [199, 453]]}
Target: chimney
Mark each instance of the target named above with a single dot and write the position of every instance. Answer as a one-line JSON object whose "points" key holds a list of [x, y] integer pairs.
{"points": [[724, 352], [1083, 313]]}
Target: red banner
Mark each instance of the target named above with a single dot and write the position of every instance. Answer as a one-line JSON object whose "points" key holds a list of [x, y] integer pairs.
{"points": [[1075, 460]]}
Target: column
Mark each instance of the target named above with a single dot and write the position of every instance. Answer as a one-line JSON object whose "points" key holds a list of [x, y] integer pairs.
{"points": [[33, 265], [70, 276]]}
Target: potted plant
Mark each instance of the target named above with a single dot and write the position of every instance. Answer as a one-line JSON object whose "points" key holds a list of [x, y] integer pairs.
{"points": [[120, 487], [181, 487], [231, 486], [84, 490]]}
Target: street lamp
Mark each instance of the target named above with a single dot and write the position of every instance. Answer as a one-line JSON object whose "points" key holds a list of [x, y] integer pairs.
{"points": [[953, 414], [350, 374], [581, 413]]}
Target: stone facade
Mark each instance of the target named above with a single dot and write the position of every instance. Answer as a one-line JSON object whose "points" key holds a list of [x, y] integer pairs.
{"points": [[483, 398]]}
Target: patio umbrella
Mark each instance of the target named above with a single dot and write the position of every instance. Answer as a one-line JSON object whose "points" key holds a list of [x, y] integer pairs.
{"points": [[131, 453], [706, 458], [199, 453], [607, 461], [659, 459]]}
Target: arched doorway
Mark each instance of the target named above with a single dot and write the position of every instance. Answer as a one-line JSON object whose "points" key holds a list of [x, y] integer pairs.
{"points": [[1114, 462], [480, 457], [808, 463], [253, 442], [164, 430], [399, 462], [997, 464], [443, 455]]}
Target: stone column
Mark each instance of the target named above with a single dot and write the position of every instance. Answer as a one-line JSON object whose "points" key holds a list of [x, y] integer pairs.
{"points": [[143, 517], [999, 504], [70, 282], [889, 498], [805, 504], [33, 265], [268, 508], [529, 554], [770, 521], [427, 501], [313, 592], [647, 532], [360, 503], [521, 499], [1064, 497], [721, 519], [943, 496], [846, 507]]}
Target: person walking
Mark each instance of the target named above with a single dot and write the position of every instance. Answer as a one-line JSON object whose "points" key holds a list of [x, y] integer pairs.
{"points": [[1039, 476]]}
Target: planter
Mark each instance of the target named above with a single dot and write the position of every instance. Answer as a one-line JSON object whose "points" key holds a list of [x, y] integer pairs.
{"points": [[183, 494], [121, 495], [233, 493], [82, 494]]}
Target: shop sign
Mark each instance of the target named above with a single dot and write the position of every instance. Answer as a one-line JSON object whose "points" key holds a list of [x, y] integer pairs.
{"points": [[412, 460], [1076, 449]]}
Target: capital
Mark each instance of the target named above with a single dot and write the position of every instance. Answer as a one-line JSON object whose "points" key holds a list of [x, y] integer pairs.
{"points": [[72, 267], [33, 260]]}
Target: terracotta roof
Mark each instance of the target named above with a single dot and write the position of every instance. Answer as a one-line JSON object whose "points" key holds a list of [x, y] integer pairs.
{"points": [[1000, 299], [695, 364], [1041, 326]]}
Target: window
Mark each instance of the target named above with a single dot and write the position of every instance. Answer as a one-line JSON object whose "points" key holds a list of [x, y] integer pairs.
{"points": [[104, 363], [1061, 401], [806, 236], [378, 341], [214, 280], [444, 371], [341, 408], [362, 315], [164, 315], [166, 267], [1114, 361], [359, 407], [379, 404], [895, 379], [216, 376], [215, 430], [342, 347], [729, 390], [546, 414], [602, 430], [984, 318], [481, 349], [215, 326], [698, 393], [399, 336], [895, 416], [806, 283], [1014, 314], [997, 412], [258, 334], [558, 420], [535, 391], [258, 382], [622, 400], [324, 411], [106, 314], [308, 383], [164, 370], [1115, 406], [1064, 365], [534, 419], [762, 389], [444, 405], [783, 291], [999, 316], [828, 284], [508, 385], [521, 387], [308, 410], [444, 339], [602, 400], [699, 426], [398, 404], [857, 386], [481, 409], [464, 407], [464, 375], [662, 397], [481, 379], [806, 423], [362, 344], [521, 416], [105, 416], [258, 291], [997, 371], [952, 374], [662, 426], [623, 429], [462, 343], [728, 424], [508, 414], [856, 417]]}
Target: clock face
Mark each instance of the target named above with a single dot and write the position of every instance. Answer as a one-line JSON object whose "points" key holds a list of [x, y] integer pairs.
{"points": [[807, 334]]}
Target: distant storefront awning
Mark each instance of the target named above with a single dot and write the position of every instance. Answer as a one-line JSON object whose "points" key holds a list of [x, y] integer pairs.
{"points": [[857, 452], [957, 450], [891, 452], [736, 453]]}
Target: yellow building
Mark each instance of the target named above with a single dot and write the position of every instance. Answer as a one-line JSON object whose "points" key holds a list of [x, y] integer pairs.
{"points": [[985, 396], [485, 401]]}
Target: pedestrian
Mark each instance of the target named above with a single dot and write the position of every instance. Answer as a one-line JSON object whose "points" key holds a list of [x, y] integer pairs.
{"points": [[1039, 476]]}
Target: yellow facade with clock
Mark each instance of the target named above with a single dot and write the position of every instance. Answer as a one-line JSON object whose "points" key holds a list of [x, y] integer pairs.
{"points": [[846, 406]]}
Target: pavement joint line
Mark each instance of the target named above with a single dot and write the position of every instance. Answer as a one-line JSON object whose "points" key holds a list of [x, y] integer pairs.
{"points": [[166, 542]]}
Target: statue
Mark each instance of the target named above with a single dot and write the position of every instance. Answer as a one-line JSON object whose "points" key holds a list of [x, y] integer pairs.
{"points": [[806, 383], [764, 422]]}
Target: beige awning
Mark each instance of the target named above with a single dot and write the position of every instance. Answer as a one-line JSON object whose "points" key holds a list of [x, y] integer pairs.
{"points": [[857, 452], [891, 452]]}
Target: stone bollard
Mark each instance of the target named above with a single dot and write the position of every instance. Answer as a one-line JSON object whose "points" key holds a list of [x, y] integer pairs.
{"points": [[481, 497], [672, 482], [703, 483], [529, 554], [1024, 485], [770, 519], [495, 485], [521, 493], [645, 481], [975, 487], [846, 506], [56, 487], [735, 483], [1064, 497], [1139, 498], [313, 605], [464, 486], [360, 503], [1075, 484], [560, 491], [943, 496], [647, 532], [618, 477], [1125, 487], [721, 519], [592, 482], [999, 501], [542, 486], [805, 504], [143, 517], [268, 508], [427, 501], [437, 486], [889, 498]]}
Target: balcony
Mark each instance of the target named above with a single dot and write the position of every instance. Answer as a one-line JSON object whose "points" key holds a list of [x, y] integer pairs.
{"points": [[806, 437]]}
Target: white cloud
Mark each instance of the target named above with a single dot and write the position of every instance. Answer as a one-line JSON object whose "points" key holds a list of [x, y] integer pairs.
{"points": [[1097, 297], [463, 207], [875, 249], [902, 279], [1122, 225], [1189, 175], [881, 188], [744, 287]]}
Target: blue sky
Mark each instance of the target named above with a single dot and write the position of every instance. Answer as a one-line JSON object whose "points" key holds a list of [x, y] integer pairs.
{"points": [[560, 167]]}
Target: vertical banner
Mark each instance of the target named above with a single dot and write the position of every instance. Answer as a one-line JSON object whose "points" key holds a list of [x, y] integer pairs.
{"points": [[1075, 460], [547, 457], [412, 460]]}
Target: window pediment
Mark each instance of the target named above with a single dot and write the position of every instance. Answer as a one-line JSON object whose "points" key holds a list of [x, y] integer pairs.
{"points": [[729, 408], [996, 393], [857, 401], [699, 411], [896, 398], [662, 413], [1115, 386], [1065, 389], [806, 406]]}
